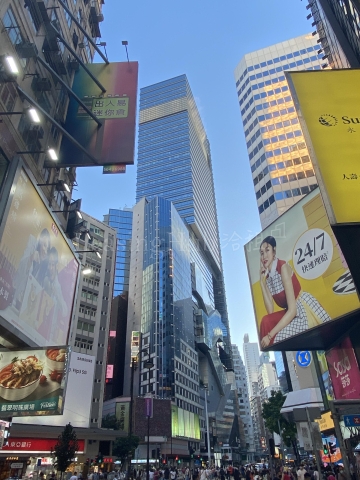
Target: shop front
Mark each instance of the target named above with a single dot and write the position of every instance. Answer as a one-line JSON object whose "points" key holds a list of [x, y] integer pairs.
{"points": [[30, 458]]}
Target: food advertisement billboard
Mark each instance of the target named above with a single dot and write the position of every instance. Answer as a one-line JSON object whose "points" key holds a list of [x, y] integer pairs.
{"points": [[38, 268], [298, 278], [32, 381], [79, 387], [328, 104], [344, 371], [113, 142]]}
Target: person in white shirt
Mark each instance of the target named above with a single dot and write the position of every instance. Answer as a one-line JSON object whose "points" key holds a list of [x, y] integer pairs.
{"points": [[74, 476], [301, 472]]}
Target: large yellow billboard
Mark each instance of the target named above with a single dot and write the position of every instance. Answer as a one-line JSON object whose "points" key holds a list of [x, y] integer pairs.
{"points": [[299, 278], [329, 104]]}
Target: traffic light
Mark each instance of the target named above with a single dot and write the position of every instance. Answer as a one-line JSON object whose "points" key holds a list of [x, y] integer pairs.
{"points": [[99, 458], [326, 449], [332, 447], [191, 451], [176, 458], [158, 455]]}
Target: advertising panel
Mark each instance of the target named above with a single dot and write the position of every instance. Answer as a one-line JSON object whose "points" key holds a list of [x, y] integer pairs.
{"points": [[328, 102], [295, 268], [325, 375], [122, 415], [35, 445], [184, 423], [114, 142], [38, 269], [32, 381], [135, 346], [77, 406], [344, 371]]}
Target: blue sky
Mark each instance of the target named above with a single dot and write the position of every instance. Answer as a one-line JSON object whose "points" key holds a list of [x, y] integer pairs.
{"points": [[205, 39]]}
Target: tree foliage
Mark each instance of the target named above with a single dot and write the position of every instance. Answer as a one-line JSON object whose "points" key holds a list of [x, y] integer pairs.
{"points": [[65, 449], [123, 446], [110, 421], [272, 417]]}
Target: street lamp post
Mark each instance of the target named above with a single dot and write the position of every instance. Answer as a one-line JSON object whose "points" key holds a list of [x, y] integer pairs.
{"points": [[148, 364], [207, 427]]}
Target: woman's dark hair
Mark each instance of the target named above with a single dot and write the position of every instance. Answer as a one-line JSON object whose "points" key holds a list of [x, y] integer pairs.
{"points": [[270, 240]]}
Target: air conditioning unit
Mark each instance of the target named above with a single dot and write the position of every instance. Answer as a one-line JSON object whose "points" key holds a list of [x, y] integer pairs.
{"points": [[36, 132], [41, 84], [26, 50], [100, 18], [74, 65]]}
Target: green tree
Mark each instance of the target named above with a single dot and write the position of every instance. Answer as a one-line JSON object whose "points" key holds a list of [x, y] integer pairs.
{"points": [[272, 417], [110, 421], [65, 449], [123, 446]]}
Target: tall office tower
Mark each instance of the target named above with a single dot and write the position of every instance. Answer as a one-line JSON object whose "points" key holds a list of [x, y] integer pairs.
{"points": [[121, 221], [244, 401], [174, 162], [268, 380], [338, 27], [182, 261], [282, 371], [279, 159], [252, 363]]}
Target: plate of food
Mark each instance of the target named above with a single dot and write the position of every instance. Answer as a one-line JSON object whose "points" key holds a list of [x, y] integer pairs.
{"points": [[55, 359], [20, 378]]}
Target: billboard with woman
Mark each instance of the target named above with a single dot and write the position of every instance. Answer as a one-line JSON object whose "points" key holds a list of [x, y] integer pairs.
{"points": [[299, 278]]}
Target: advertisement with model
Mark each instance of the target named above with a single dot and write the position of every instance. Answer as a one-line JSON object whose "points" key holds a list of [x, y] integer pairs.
{"points": [[32, 381], [77, 406], [299, 279], [38, 268]]}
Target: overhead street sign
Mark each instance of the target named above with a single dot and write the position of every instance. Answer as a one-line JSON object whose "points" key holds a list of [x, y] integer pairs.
{"points": [[352, 420]]}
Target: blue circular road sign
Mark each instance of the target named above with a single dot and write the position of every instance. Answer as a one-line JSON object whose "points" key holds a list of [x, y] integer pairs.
{"points": [[303, 358]]}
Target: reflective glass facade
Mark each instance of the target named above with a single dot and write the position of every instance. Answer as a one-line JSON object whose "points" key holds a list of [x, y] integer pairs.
{"points": [[166, 312], [280, 164], [121, 221], [174, 162]]}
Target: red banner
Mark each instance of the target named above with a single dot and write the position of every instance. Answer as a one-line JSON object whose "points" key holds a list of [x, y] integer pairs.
{"points": [[35, 445], [344, 371]]}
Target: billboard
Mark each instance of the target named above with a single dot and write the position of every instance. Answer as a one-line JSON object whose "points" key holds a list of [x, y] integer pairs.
{"points": [[38, 269], [184, 423], [295, 267], [78, 400], [26, 445], [344, 371], [122, 415], [328, 102], [32, 381], [114, 141]]}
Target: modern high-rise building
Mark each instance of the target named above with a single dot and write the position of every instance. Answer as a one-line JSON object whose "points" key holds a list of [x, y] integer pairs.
{"points": [[252, 363], [244, 401], [280, 164], [337, 24], [176, 290], [174, 162], [121, 221]]}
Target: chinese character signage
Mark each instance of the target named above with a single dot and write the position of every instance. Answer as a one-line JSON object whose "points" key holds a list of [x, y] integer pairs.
{"points": [[32, 381], [135, 346], [122, 416], [296, 269], [36, 445], [38, 268], [114, 141], [328, 102], [344, 371]]}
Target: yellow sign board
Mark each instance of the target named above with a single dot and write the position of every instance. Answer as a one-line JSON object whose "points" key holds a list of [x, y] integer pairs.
{"points": [[329, 104], [325, 422]]}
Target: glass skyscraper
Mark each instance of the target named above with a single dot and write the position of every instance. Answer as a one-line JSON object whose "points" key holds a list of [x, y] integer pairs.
{"points": [[280, 164], [121, 221], [174, 162]]}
